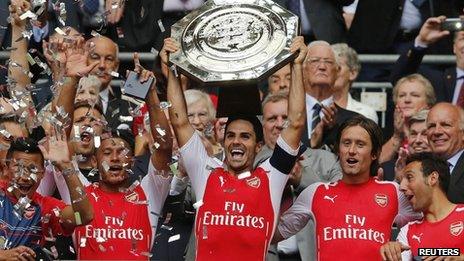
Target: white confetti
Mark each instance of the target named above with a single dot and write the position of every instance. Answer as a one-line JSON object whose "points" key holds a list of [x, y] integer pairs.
{"points": [[161, 26], [59, 31], [164, 105], [28, 14], [174, 238], [198, 204], [97, 141]]}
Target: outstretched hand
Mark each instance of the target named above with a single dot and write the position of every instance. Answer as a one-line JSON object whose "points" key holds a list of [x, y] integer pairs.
{"points": [[55, 148], [76, 59]]}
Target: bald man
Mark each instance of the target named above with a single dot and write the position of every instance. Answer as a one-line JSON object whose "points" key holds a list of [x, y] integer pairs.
{"points": [[445, 134]]}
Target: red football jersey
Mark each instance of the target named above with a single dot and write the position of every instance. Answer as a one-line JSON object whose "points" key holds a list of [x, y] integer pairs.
{"points": [[447, 233], [236, 219], [352, 221], [120, 228]]}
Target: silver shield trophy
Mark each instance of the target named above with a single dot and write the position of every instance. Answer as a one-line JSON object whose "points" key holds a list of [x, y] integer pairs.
{"points": [[234, 42]]}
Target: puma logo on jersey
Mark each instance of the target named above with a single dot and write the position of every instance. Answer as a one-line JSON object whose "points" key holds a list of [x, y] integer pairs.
{"points": [[416, 237], [221, 179], [95, 196], [331, 198]]}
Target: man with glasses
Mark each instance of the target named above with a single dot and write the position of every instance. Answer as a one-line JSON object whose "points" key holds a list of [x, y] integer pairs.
{"points": [[320, 72]]}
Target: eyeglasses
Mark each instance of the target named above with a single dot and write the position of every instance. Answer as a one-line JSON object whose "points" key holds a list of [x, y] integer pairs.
{"points": [[316, 61]]}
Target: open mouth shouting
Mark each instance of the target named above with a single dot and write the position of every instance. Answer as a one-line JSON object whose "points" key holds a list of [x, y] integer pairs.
{"points": [[237, 154], [24, 187], [86, 137], [352, 162]]}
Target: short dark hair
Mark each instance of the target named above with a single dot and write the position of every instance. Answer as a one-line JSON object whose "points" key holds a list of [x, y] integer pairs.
{"points": [[26, 145], [253, 120], [374, 131], [431, 162], [123, 134]]}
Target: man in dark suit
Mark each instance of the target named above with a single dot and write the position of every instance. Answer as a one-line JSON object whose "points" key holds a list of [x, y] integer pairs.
{"points": [[446, 138], [390, 27], [448, 83], [320, 19], [379, 25]]}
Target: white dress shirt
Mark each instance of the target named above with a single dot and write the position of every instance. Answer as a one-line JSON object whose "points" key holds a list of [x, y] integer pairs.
{"points": [[104, 97], [454, 160], [457, 89]]}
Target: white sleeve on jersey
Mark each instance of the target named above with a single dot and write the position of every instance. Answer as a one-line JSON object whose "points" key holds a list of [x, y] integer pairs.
{"points": [[178, 185], [405, 212], [47, 184], [195, 159], [403, 239], [298, 215], [156, 188], [277, 181]]}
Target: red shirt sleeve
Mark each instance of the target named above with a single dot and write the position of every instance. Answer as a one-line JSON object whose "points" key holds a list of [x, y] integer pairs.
{"points": [[50, 210]]}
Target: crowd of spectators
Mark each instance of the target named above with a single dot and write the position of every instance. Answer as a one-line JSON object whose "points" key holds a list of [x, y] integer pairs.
{"points": [[88, 172]]}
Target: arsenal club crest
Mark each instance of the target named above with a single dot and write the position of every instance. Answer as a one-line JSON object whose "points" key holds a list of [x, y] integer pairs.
{"points": [[253, 182], [132, 197], [381, 200], [456, 228]]}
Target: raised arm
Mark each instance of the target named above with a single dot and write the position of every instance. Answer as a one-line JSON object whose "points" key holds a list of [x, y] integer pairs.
{"points": [[409, 62], [296, 101], [159, 125], [75, 67], [80, 212], [19, 67], [178, 109]]}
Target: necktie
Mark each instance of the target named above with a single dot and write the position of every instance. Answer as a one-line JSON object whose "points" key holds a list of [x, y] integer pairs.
{"points": [[418, 3], [315, 117], [91, 6], [460, 101], [294, 6]]}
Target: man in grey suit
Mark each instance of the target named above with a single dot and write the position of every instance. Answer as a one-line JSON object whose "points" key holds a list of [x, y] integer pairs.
{"points": [[315, 166], [320, 19]]}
